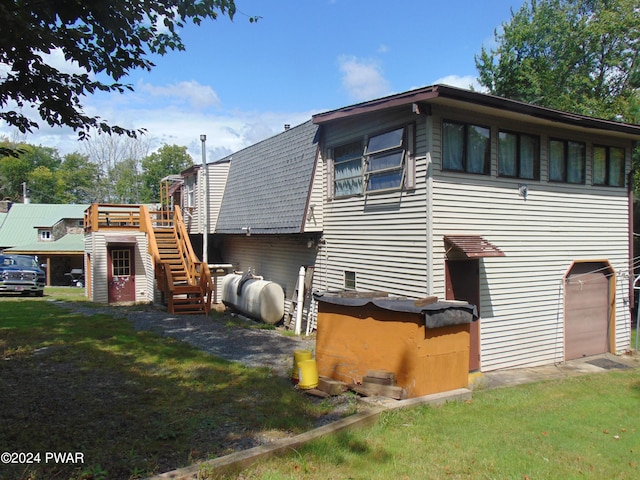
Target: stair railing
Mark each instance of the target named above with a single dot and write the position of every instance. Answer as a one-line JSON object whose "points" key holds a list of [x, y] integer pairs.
{"points": [[198, 273]]}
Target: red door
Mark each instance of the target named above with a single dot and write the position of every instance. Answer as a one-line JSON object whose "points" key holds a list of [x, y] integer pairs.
{"points": [[463, 283], [122, 286]]}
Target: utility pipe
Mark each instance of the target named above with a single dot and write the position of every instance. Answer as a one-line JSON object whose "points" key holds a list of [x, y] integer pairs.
{"points": [[298, 326], [205, 204]]}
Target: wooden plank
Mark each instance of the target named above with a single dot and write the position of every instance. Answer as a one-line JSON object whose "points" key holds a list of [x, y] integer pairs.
{"points": [[379, 377], [371, 390], [330, 386]]}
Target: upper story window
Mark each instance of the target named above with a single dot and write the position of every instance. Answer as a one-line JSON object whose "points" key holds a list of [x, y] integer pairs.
{"points": [[347, 167], [567, 161], [608, 166], [385, 162], [466, 148], [518, 155], [190, 194], [45, 235]]}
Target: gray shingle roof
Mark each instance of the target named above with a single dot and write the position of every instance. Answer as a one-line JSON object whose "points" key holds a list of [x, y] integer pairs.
{"points": [[269, 183]]}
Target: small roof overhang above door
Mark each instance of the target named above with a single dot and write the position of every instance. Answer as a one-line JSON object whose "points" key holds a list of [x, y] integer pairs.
{"points": [[120, 239], [471, 246]]}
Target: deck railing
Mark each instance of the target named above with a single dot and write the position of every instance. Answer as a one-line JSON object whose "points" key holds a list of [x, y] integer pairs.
{"points": [[100, 216], [110, 216]]}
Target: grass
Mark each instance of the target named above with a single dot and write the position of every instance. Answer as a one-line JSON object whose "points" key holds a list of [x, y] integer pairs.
{"points": [[583, 427], [133, 403]]}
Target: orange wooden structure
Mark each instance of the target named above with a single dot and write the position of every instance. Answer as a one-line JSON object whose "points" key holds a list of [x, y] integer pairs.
{"points": [[354, 339]]}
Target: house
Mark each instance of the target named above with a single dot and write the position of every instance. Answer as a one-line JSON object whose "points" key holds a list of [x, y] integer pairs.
{"points": [[270, 216], [521, 210], [51, 232]]}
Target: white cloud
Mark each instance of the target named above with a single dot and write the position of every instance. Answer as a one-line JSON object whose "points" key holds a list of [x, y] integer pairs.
{"points": [[464, 81], [363, 80], [195, 94], [57, 60], [226, 131]]}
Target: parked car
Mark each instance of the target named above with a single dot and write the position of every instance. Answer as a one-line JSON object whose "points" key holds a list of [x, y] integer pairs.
{"points": [[21, 274]]}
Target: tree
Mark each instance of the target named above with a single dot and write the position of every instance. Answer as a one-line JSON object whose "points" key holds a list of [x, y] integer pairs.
{"points": [[42, 184], [15, 170], [168, 160], [106, 40], [117, 159], [125, 182], [77, 180], [581, 56]]}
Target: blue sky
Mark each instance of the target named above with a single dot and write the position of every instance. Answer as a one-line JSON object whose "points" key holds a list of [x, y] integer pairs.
{"points": [[240, 82]]}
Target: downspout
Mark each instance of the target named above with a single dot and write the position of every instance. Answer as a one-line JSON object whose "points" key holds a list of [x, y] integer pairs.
{"points": [[630, 188], [429, 205]]}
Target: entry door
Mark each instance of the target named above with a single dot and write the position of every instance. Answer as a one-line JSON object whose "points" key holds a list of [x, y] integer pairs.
{"points": [[122, 287], [463, 283], [586, 310]]}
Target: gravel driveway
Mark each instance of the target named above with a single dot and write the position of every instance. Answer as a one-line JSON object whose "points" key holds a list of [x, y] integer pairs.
{"points": [[253, 347]]}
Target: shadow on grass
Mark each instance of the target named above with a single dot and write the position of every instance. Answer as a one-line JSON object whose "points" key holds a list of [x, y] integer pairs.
{"points": [[132, 403]]}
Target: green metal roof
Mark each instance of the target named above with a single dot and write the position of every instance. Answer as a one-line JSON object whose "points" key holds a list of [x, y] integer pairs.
{"points": [[19, 224], [70, 243]]}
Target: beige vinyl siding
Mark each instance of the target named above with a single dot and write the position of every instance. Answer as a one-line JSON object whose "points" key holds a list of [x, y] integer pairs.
{"points": [[96, 245], [217, 180], [521, 294], [315, 216], [277, 258], [381, 236], [191, 216]]}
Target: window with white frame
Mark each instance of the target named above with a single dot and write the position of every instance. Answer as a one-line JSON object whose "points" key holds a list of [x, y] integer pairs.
{"points": [[349, 280], [518, 155], [608, 166], [190, 200], [384, 163], [45, 235], [466, 147], [567, 161]]}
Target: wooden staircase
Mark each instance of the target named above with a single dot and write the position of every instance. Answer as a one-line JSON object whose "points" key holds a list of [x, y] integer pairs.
{"points": [[184, 281]]}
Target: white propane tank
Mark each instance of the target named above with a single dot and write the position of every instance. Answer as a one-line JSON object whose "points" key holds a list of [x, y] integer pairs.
{"points": [[259, 299]]}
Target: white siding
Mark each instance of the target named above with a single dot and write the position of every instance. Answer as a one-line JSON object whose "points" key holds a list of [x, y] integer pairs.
{"points": [[387, 241], [521, 295], [190, 215], [217, 179], [381, 237], [277, 258], [315, 209], [96, 245]]}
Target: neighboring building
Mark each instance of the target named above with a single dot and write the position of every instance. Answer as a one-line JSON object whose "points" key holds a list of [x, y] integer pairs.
{"points": [[192, 201], [51, 232], [270, 220], [521, 210]]}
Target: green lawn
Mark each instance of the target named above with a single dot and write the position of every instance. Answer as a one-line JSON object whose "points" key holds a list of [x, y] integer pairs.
{"points": [[132, 403], [135, 404], [580, 428]]}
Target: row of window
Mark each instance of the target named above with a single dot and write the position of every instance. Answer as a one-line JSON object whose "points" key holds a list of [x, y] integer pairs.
{"points": [[467, 148], [382, 161]]}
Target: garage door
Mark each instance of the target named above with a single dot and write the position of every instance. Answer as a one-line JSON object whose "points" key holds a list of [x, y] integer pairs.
{"points": [[587, 310]]}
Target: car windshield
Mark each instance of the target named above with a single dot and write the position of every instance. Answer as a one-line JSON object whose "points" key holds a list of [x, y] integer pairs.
{"points": [[12, 260]]}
